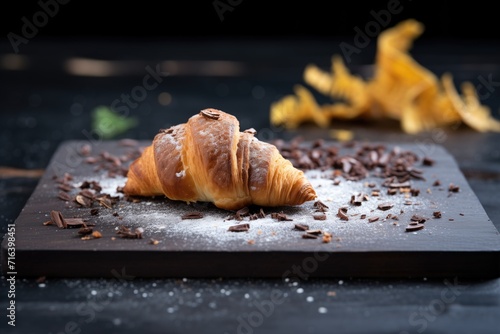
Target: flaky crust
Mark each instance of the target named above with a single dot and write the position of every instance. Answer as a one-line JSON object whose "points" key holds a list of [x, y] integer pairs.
{"points": [[208, 159]]}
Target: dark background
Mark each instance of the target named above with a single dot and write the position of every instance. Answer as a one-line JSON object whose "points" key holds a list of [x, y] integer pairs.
{"points": [[251, 19]]}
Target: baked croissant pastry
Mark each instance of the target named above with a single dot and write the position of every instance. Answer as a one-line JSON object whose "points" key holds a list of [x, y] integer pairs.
{"points": [[208, 159]]}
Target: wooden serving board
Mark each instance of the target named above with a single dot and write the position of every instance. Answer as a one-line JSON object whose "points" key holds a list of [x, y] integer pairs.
{"points": [[463, 242]]}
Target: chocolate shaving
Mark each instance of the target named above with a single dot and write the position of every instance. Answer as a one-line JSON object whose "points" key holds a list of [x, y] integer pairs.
{"points": [[210, 114], [400, 184], [167, 131], [453, 188], [105, 201], [415, 227], [83, 201], [301, 227], [239, 228], [77, 222], [64, 196], [358, 199], [385, 206], [280, 216], [341, 213], [241, 213], [87, 193], [428, 161], [373, 219], [57, 218], [85, 185], [314, 232], [320, 206], [319, 216], [85, 230], [192, 215], [416, 173], [309, 236], [96, 186], [436, 214], [392, 191], [419, 219], [65, 187]]}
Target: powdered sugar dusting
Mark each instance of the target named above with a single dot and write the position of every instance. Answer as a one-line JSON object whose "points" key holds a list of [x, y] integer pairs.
{"points": [[161, 219], [181, 174]]}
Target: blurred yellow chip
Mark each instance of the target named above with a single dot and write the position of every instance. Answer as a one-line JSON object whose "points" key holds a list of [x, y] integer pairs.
{"points": [[399, 89], [342, 135]]}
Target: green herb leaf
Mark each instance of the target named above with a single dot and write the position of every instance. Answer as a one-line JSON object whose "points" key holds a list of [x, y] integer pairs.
{"points": [[108, 124]]}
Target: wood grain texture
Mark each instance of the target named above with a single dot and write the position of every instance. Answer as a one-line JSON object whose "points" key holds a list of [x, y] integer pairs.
{"points": [[467, 246]]}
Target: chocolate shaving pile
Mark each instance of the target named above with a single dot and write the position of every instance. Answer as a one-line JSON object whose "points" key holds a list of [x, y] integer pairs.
{"points": [[86, 229], [395, 163], [113, 164]]}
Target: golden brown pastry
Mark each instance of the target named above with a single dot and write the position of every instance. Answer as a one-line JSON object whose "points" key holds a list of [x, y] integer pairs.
{"points": [[208, 159]]}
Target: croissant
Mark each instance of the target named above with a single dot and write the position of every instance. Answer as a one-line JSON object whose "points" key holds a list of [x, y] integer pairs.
{"points": [[208, 159]]}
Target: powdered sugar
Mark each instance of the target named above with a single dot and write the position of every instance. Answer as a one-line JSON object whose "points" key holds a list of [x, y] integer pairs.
{"points": [[181, 174], [161, 218]]}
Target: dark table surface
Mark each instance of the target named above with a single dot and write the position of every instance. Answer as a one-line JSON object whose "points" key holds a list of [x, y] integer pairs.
{"points": [[43, 103]]}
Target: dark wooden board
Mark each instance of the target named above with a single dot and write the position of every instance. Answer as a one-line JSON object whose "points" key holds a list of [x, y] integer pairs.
{"points": [[464, 242]]}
